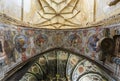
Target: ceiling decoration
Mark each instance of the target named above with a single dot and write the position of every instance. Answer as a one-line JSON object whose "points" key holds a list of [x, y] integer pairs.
{"points": [[63, 66], [59, 13]]}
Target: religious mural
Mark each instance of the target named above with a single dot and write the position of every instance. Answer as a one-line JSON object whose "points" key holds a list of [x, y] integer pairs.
{"points": [[21, 43], [74, 39], [41, 39], [18, 44]]}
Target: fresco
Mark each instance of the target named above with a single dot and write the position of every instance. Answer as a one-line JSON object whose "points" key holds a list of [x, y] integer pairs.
{"points": [[21, 43], [28, 77], [72, 61], [2, 53], [82, 70], [92, 77], [17, 44], [41, 39], [87, 68], [74, 39], [92, 43], [117, 42]]}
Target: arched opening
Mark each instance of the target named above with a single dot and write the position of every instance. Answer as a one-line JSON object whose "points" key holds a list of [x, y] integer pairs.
{"points": [[61, 65]]}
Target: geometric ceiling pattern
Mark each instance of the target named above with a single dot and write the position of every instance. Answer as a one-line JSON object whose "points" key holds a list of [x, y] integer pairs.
{"points": [[59, 13]]}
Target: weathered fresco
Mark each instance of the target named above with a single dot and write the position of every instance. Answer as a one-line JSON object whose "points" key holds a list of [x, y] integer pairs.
{"points": [[17, 44], [64, 66]]}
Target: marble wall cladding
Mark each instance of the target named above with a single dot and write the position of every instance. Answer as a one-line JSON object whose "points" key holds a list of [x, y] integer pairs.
{"points": [[17, 44]]}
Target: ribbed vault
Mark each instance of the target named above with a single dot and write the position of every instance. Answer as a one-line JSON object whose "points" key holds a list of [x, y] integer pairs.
{"points": [[59, 14]]}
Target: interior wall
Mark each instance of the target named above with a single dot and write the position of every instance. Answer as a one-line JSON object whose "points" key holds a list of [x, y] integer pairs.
{"points": [[11, 8], [103, 10], [19, 44]]}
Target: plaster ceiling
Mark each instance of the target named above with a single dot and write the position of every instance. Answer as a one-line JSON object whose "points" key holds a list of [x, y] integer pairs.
{"points": [[58, 14]]}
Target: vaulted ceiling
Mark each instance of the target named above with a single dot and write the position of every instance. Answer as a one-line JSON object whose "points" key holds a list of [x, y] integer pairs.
{"points": [[59, 14]]}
